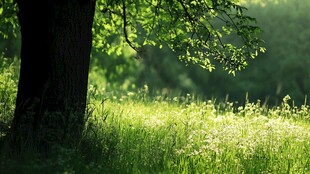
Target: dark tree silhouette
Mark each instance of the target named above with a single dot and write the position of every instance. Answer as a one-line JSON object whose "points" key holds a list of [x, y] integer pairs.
{"points": [[55, 55]]}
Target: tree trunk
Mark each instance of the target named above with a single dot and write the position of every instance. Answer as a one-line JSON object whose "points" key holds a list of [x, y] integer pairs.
{"points": [[55, 54]]}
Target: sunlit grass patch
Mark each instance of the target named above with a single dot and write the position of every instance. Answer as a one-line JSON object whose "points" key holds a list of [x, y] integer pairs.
{"points": [[168, 136]]}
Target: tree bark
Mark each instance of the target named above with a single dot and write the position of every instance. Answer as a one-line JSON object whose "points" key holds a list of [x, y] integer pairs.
{"points": [[52, 90]]}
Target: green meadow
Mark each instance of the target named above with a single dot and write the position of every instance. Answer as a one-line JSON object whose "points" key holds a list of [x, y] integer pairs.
{"points": [[161, 113], [143, 131]]}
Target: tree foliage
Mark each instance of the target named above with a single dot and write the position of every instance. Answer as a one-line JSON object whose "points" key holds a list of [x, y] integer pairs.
{"points": [[193, 29], [8, 19]]}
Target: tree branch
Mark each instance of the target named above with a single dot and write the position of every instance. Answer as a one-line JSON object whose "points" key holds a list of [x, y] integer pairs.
{"points": [[125, 28]]}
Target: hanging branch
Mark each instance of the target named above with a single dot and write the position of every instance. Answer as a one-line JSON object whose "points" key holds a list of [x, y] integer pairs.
{"points": [[125, 28]]}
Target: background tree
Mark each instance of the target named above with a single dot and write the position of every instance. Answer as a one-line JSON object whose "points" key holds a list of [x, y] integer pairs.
{"points": [[55, 52]]}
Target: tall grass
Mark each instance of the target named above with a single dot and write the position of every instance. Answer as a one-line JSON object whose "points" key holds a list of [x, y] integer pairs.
{"points": [[130, 132], [166, 136]]}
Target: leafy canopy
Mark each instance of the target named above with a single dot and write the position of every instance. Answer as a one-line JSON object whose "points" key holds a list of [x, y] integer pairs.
{"points": [[199, 31], [8, 19]]}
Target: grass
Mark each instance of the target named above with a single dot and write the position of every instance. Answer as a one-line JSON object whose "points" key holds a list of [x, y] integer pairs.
{"points": [[130, 132], [196, 137]]}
